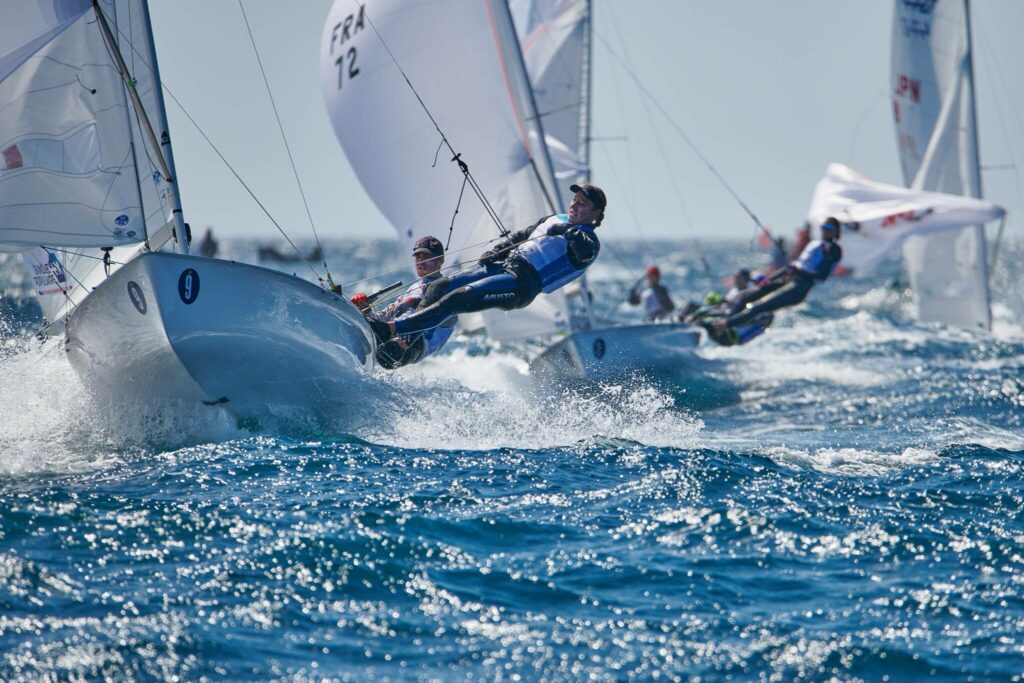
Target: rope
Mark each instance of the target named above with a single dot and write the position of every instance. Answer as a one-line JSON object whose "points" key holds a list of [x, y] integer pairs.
{"points": [[663, 153], [451, 227], [675, 126], [284, 138]]}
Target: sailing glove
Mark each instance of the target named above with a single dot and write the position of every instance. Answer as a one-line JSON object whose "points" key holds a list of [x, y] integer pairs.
{"points": [[491, 256], [360, 301]]}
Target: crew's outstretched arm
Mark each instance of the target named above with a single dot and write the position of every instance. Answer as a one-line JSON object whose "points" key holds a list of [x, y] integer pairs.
{"points": [[500, 250]]}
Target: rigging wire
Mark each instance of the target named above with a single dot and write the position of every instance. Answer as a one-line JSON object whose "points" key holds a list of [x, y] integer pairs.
{"points": [[284, 138], [242, 182], [631, 190], [992, 65], [686, 138], [663, 153]]}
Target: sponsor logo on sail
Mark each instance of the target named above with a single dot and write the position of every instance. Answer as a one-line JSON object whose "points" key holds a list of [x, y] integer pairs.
{"points": [[922, 6], [904, 217]]}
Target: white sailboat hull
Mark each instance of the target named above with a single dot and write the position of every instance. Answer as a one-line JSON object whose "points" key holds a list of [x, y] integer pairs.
{"points": [[614, 352], [210, 332]]}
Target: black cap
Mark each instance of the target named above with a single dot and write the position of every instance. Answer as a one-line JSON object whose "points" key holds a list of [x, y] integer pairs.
{"points": [[429, 244], [592, 192]]}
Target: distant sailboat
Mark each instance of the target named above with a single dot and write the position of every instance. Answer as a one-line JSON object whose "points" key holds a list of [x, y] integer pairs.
{"points": [[938, 219], [88, 193], [556, 39], [933, 95]]}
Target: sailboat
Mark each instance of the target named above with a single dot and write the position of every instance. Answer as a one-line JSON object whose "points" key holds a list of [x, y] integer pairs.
{"points": [[88, 192], [933, 98], [938, 219], [515, 106]]}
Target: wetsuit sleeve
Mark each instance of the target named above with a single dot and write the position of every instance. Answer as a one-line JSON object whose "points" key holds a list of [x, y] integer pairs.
{"points": [[500, 250], [582, 248]]}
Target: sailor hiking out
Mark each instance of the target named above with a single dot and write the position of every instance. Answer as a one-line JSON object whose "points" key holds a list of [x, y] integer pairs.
{"points": [[790, 285], [542, 258]]}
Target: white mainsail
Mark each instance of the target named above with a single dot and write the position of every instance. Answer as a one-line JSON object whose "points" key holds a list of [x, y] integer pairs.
{"points": [[463, 59], [879, 218], [933, 110], [78, 173]]}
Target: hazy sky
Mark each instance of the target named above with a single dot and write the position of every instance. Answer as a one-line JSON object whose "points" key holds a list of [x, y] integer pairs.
{"points": [[770, 92]]}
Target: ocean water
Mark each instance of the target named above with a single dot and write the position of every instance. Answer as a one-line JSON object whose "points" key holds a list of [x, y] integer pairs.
{"points": [[843, 499]]}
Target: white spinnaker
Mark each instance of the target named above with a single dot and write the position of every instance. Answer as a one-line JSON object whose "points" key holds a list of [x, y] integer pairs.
{"points": [[933, 109], [463, 60], [78, 173], [553, 35], [886, 216]]}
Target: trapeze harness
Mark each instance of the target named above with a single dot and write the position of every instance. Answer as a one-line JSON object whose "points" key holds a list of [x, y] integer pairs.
{"points": [[549, 253]]}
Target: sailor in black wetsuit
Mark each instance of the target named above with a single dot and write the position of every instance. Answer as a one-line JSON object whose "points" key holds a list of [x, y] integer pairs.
{"points": [[542, 258], [789, 286]]}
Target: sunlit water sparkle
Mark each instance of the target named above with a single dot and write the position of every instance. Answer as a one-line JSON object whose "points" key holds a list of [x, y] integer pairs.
{"points": [[842, 499]]}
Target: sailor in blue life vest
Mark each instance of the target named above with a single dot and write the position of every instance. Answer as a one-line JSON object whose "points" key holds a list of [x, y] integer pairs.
{"points": [[541, 258], [789, 286], [655, 299], [428, 259]]}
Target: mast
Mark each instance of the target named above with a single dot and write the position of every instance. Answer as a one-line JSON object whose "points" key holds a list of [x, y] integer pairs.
{"points": [[586, 110], [585, 119], [976, 156]]}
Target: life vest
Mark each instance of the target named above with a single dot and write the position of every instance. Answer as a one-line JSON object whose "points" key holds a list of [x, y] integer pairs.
{"points": [[549, 254], [819, 259]]}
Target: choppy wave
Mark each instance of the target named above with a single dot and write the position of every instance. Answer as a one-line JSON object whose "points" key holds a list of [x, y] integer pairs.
{"points": [[853, 510]]}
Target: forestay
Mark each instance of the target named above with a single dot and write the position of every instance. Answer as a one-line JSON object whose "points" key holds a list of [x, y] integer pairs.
{"points": [[463, 59], [933, 109], [879, 218], [77, 172]]}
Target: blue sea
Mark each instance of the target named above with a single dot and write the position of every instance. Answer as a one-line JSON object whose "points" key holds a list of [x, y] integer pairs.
{"points": [[840, 500]]}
